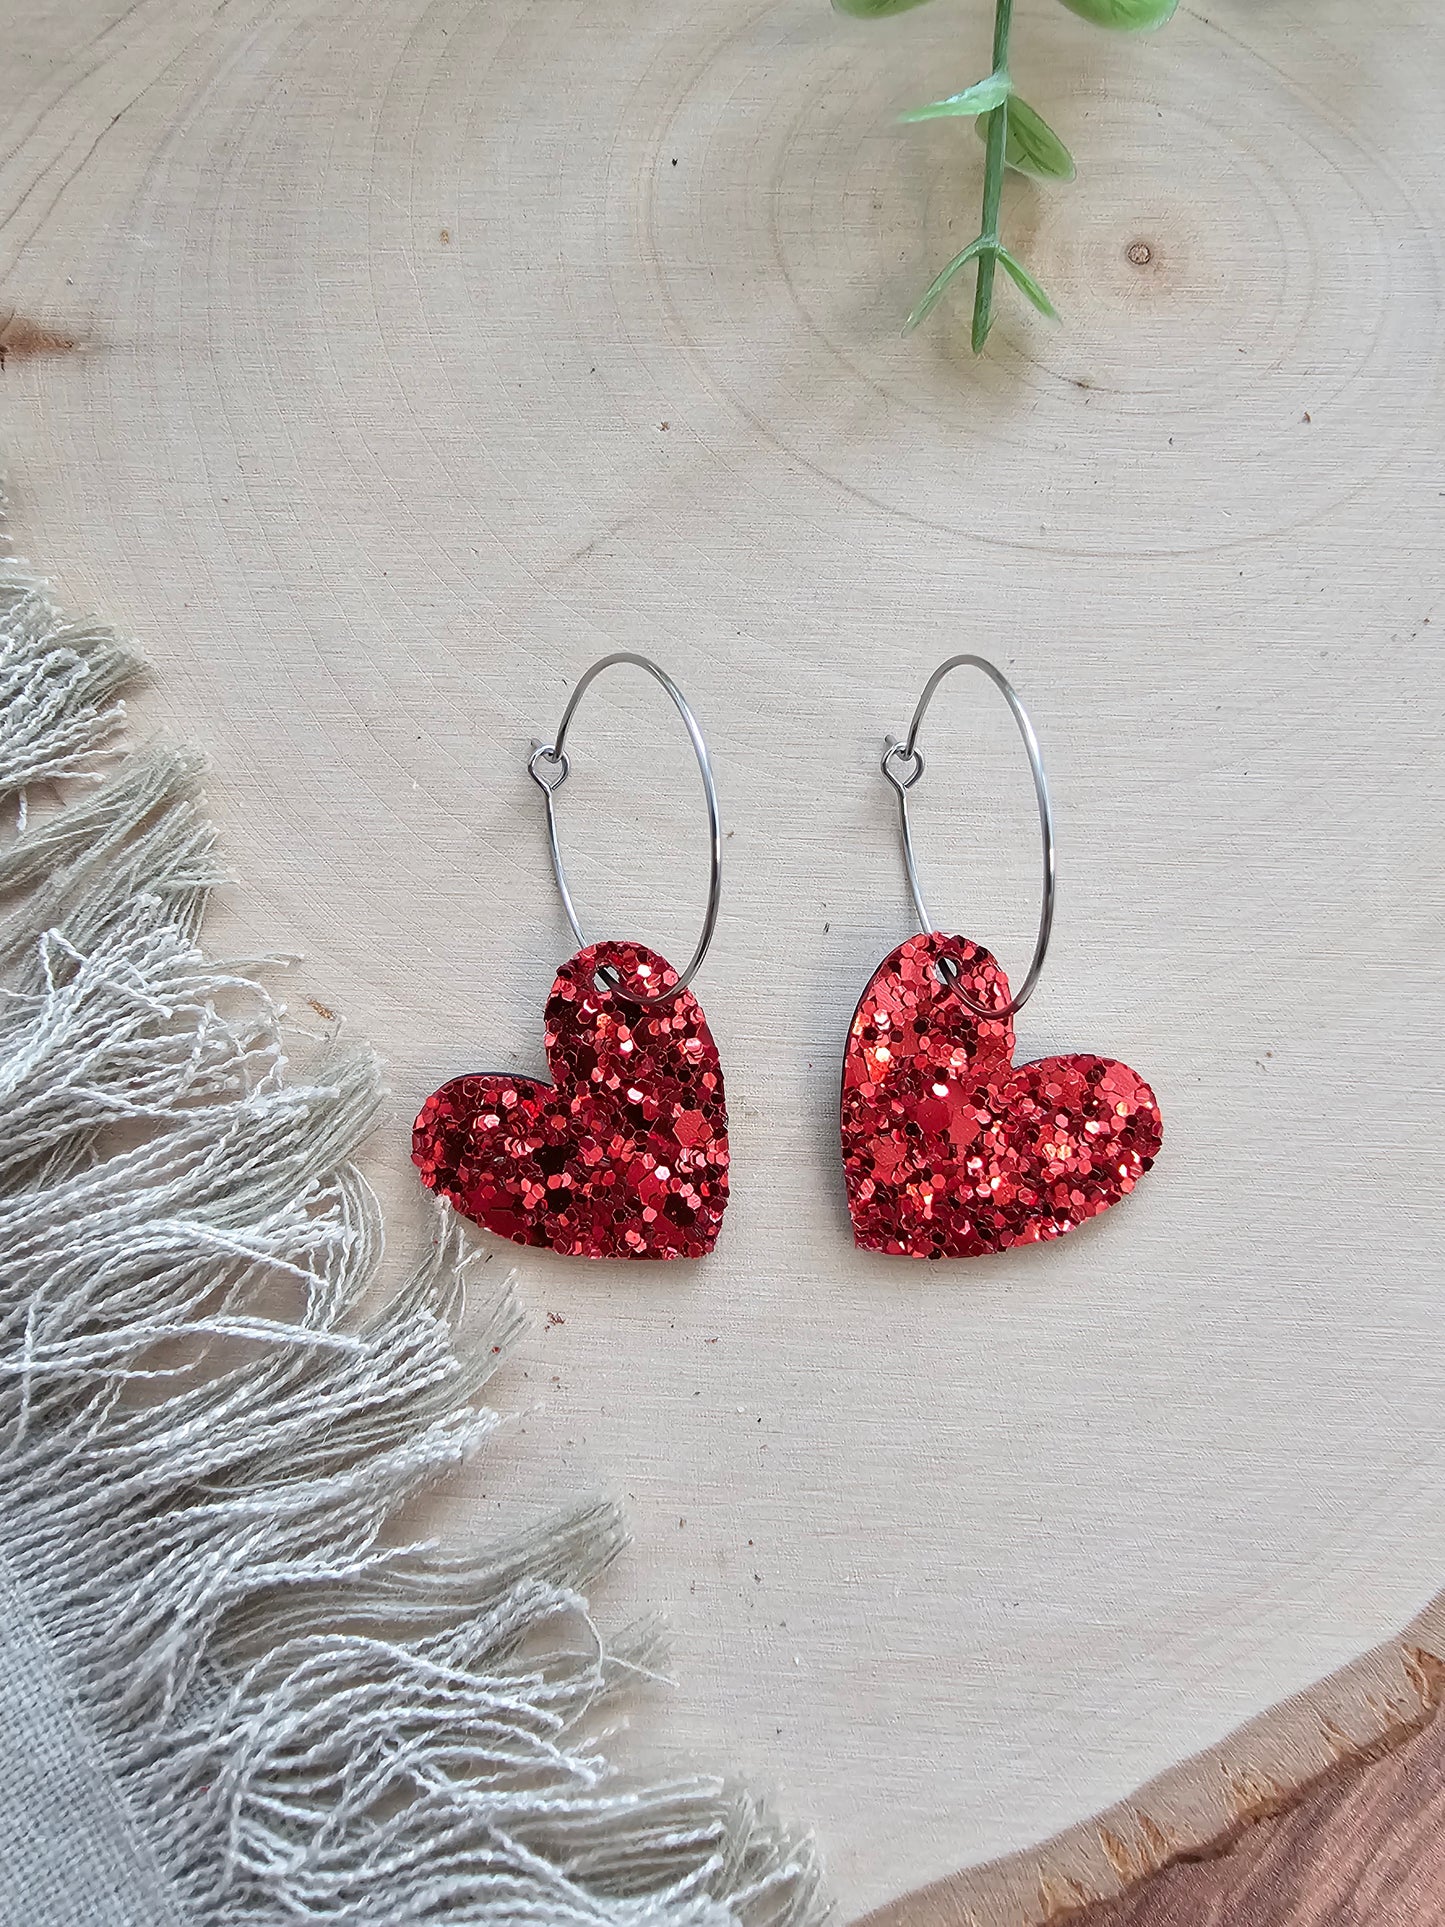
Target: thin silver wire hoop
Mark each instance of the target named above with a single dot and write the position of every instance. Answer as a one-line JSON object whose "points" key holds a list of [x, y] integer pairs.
{"points": [[903, 765], [554, 755]]}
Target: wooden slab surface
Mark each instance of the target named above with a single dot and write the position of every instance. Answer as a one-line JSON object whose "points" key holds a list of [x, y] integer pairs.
{"points": [[380, 366]]}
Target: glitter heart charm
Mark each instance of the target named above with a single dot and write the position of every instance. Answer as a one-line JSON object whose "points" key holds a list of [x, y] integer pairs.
{"points": [[950, 1149], [624, 1154]]}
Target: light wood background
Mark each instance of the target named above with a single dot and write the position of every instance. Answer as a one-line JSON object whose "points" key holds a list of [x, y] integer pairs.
{"points": [[381, 365]]}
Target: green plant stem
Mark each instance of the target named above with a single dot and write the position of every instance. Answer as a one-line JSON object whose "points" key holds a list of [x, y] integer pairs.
{"points": [[993, 173]]}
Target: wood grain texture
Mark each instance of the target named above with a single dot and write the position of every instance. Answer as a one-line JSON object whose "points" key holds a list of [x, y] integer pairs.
{"points": [[381, 365], [1365, 1846], [1239, 1826]]}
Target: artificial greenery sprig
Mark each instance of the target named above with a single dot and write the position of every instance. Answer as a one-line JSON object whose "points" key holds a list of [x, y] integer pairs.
{"points": [[1015, 136]]}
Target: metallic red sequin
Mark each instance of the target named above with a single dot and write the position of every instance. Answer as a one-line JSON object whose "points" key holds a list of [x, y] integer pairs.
{"points": [[949, 1149], [624, 1154]]}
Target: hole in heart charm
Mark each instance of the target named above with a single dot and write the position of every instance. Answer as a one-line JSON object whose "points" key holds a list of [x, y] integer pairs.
{"points": [[950, 1149], [624, 1154]]}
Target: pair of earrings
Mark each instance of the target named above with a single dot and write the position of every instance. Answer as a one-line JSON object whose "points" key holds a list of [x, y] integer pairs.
{"points": [[950, 1149]]}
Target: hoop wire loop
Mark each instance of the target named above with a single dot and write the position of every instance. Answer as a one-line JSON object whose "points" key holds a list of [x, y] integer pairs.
{"points": [[903, 765], [554, 755]]}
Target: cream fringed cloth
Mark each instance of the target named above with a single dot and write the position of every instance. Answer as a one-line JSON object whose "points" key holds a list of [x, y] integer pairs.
{"points": [[228, 1696]]}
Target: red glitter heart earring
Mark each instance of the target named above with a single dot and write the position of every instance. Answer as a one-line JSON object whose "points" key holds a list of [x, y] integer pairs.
{"points": [[950, 1149], [625, 1153]]}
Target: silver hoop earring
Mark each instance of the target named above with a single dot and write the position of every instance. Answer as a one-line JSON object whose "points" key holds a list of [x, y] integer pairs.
{"points": [[950, 1150], [625, 1153], [553, 756]]}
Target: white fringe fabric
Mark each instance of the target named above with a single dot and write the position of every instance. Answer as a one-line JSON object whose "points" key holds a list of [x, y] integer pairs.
{"points": [[228, 1695]]}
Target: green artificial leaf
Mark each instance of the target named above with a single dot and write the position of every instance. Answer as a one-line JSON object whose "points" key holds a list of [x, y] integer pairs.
{"points": [[983, 301], [1133, 15], [933, 293], [981, 98], [874, 9], [1033, 146], [1025, 282]]}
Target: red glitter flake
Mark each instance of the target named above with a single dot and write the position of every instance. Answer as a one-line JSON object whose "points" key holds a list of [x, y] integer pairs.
{"points": [[624, 1154], [950, 1150]]}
